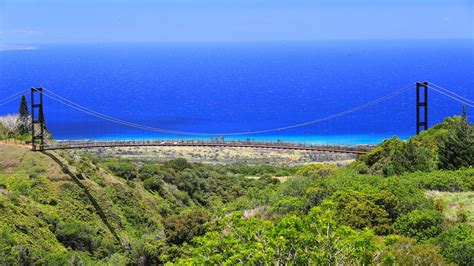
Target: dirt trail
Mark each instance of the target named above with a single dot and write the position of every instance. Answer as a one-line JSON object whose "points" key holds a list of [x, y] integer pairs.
{"points": [[15, 143]]}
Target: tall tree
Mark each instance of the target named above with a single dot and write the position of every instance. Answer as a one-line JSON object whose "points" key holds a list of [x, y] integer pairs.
{"points": [[24, 115], [456, 148]]}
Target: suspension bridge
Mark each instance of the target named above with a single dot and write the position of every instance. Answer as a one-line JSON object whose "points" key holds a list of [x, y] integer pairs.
{"points": [[41, 141]]}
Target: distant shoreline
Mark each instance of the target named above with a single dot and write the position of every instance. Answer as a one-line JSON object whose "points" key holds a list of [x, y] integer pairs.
{"points": [[16, 48], [337, 139]]}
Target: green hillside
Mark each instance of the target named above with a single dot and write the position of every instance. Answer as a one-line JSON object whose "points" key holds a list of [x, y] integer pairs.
{"points": [[403, 203]]}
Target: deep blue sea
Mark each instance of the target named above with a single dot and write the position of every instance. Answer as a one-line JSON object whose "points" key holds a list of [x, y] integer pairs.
{"points": [[235, 87]]}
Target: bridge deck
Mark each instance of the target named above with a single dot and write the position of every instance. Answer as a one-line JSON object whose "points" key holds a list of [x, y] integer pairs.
{"points": [[63, 145]]}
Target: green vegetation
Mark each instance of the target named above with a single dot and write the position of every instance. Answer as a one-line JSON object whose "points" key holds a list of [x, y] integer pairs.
{"points": [[401, 204], [23, 116], [448, 145], [456, 148], [16, 127]]}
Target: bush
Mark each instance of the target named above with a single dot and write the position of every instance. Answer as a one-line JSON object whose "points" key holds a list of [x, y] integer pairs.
{"points": [[77, 236], [394, 157], [288, 205], [316, 170], [442, 180], [457, 244], [151, 170], [360, 210], [183, 227], [125, 170], [179, 164], [456, 148], [154, 184], [420, 224], [8, 253], [405, 251]]}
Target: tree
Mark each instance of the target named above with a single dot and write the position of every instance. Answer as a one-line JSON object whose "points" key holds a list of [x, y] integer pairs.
{"points": [[24, 115], [23, 111], [456, 148]]}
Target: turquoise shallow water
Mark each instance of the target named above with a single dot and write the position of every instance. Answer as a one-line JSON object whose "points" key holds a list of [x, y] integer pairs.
{"points": [[352, 139], [235, 87]]}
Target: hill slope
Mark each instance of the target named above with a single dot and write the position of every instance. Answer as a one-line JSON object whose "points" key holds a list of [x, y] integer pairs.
{"points": [[403, 203], [46, 207]]}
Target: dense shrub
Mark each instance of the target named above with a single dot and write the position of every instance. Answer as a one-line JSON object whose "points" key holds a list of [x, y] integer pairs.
{"points": [[154, 184], [457, 244], [360, 210], [77, 236], [395, 157], [151, 170], [122, 169], [442, 180], [316, 170], [420, 224], [235, 214], [179, 164], [406, 251], [8, 253], [315, 238], [380, 159], [449, 145], [456, 147], [183, 227]]}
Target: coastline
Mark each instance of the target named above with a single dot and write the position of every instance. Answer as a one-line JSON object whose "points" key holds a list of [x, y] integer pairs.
{"points": [[16, 48], [336, 139]]}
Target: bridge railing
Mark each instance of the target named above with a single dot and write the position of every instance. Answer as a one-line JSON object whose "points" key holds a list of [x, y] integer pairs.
{"points": [[71, 144]]}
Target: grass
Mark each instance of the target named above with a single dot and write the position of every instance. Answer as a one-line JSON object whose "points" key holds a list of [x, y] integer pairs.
{"points": [[454, 204]]}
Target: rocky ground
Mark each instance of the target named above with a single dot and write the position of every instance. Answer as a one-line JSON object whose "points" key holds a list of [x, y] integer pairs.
{"points": [[226, 155]]}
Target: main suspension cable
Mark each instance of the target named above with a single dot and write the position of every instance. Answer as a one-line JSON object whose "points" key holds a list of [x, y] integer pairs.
{"points": [[451, 92], [452, 97], [12, 97], [91, 112]]}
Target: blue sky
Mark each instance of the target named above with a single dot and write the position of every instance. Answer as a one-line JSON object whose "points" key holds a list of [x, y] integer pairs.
{"points": [[43, 21]]}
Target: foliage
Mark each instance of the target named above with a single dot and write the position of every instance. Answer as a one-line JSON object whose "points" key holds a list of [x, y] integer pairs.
{"points": [[77, 236], [316, 170], [361, 210], [183, 227], [10, 128], [394, 157], [24, 117], [420, 224], [457, 244], [178, 164], [73, 208], [123, 169], [315, 238], [456, 147], [449, 145], [398, 250]]}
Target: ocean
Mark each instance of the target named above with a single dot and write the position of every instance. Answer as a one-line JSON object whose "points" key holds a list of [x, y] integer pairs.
{"points": [[239, 87]]}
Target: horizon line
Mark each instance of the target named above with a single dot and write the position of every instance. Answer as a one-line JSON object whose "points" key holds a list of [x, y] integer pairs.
{"points": [[21, 43]]}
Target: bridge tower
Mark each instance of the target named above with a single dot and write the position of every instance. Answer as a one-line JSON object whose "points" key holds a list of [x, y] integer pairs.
{"points": [[421, 103], [37, 120]]}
